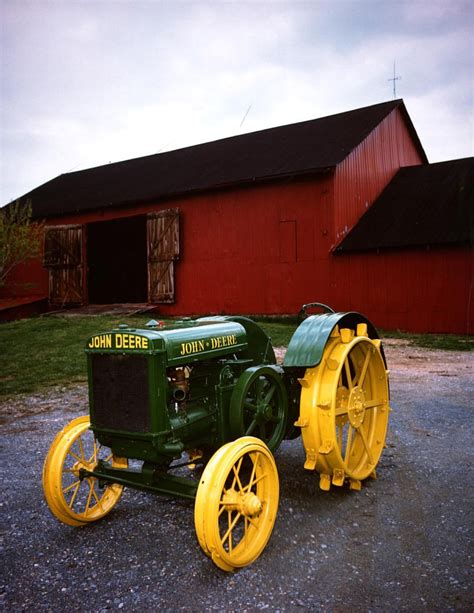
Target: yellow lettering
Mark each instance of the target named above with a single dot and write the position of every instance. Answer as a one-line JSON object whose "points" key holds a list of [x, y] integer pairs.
{"points": [[132, 342], [144, 343], [90, 344], [201, 345], [108, 341], [118, 341]]}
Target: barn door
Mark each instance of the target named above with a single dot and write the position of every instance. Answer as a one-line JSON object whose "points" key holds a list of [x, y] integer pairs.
{"points": [[63, 257], [163, 250]]}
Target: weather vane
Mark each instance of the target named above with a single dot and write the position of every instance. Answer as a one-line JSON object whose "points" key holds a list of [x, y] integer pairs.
{"points": [[394, 79]]}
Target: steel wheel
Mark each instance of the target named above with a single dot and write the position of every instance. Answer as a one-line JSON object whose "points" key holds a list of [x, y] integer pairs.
{"points": [[72, 499], [344, 409], [259, 406], [236, 503]]}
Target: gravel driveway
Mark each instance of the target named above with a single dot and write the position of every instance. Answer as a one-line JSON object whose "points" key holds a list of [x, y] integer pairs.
{"points": [[402, 543]]}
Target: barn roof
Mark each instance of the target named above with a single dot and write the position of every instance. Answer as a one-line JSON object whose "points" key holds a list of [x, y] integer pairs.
{"points": [[422, 205], [302, 148]]}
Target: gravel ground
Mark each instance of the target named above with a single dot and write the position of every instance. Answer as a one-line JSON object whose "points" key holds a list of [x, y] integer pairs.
{"points": [[403, 543]]}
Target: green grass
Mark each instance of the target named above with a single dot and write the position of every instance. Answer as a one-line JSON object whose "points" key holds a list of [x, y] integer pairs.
{"points": [[41, 352], [446, 342]]}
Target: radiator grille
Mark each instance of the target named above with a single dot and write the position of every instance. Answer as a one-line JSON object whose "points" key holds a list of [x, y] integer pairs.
{"points": [[120, 392]]}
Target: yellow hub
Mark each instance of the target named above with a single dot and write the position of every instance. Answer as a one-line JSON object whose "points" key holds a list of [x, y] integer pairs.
{"points": [[237, 502], [344, 409], [72, 499]]}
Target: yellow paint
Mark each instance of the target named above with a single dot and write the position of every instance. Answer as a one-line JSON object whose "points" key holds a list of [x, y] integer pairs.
{"points": [[235, 508], [217, 342], [73, 501], [118, 341], [345, 409]]}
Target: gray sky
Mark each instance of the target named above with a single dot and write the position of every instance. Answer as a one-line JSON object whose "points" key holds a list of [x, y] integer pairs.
{"points": [[89, 82]]}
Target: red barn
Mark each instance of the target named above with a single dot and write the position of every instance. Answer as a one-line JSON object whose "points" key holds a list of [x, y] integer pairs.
{"points": [[263, 222]]}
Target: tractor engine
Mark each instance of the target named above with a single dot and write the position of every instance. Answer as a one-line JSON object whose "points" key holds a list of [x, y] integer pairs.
{"points": [[156, 392]]}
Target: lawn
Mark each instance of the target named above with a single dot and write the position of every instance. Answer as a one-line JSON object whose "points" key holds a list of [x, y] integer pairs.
{"points": [[41, 352]]}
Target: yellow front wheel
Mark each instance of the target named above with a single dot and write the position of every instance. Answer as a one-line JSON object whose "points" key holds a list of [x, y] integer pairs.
{"points": [[71, 498], [237, 502]]}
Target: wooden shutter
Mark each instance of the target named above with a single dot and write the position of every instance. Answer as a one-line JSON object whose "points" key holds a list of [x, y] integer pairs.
{"points": [[63, 256], [163, 251]]}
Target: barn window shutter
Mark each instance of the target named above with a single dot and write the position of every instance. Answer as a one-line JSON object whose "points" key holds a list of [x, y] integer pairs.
{"points": [[63, 256], [163, 252]]}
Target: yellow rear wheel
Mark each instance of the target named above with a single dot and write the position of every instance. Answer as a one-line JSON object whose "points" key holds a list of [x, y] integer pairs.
{"points": [[344, 409], [72, 499], [237, 503]]}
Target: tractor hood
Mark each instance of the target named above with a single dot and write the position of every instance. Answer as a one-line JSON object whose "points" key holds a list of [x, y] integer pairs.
{"points": [[182, 343]]}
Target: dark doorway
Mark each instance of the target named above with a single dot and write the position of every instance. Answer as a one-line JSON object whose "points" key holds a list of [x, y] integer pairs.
{"points": [[117, 261]]}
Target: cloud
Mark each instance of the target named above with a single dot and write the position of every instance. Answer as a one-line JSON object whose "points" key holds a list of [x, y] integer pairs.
{"points": [[85, 83]]}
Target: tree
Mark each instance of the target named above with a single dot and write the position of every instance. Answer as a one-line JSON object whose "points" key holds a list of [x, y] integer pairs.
{"points": [[20, 239]]}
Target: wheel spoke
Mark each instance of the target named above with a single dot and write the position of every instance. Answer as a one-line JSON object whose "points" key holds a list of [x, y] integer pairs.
{"points": [[251, 428], [93, 457], [75, 456], [341, 410], [348, 444], [361, 380], [270, 393], [91, 486], [231, 526], [254, 471], [249, 405], [348, 373], [236, 473], [74, 494], [366, 445], [256, 480], [69, 487], [374, 403], [94, 493]]}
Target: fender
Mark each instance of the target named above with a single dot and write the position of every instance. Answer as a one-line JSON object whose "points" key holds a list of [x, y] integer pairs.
{"points": [[307, 344]]}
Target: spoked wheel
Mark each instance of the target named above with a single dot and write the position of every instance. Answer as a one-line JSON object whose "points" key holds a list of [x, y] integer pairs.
{"points": [[259, 406], [72, 499], [236, 503], [344, 409]]}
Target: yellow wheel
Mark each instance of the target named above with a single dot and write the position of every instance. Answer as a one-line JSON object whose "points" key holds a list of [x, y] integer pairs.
{"points": [[237, 502], [72, 499], [344, 409]]}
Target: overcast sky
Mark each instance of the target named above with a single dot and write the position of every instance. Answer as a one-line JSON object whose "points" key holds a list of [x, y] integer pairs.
{"points": [[89, 82]]}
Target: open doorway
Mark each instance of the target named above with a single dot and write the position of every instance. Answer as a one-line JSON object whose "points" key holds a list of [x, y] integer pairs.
{"points": [[117, 260]]}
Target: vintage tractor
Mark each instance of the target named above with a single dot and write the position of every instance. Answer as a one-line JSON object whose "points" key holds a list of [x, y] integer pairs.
{"points": [[208, 392]]}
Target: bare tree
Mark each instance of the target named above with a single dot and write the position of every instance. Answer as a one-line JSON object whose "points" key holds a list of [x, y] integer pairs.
{"points": [[20, 238]]}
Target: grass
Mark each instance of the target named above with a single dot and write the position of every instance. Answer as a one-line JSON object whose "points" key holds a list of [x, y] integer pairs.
{"points": [[41, 352]]}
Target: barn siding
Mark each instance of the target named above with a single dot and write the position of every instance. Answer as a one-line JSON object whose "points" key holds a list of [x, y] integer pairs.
{"points": [[363, 175], [232, 260]]}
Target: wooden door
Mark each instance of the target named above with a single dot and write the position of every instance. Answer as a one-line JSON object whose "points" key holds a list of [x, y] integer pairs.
{"points": [[63, 256], [163, 251]]}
